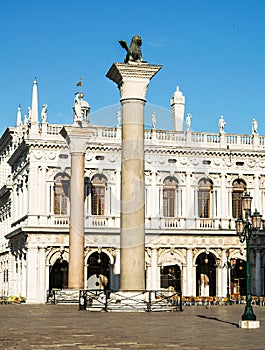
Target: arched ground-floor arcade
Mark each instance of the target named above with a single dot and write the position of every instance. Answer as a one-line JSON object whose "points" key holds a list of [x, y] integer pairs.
{"points": [[195, 266]]}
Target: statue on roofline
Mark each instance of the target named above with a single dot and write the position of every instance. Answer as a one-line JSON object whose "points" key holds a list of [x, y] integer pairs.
{"points": [[134, 53], [44, 113], [254, 126], [118, 114], [81, 110], [188, 121], [154, 120], [221, 125]]}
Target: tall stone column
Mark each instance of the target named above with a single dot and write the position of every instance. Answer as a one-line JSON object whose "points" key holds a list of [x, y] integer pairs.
{"points": [[77, 139], [132, 80]]}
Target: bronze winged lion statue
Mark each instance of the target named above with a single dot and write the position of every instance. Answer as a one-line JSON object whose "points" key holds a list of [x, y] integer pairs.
{"points": [[134, 53]]}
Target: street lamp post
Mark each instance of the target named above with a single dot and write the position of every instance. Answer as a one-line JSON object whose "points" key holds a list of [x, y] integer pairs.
{"points": [[248, 228], [230, 264]]}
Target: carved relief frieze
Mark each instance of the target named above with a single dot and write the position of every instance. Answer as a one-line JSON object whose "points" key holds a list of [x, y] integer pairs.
{"points": [[184, 160], [215, 179], [112, 251], [113, 158], [251, 162], [217, 161], [172, 257], [58, 254], [89, 173], [149, 159], [18, 243], [161, 159], [148, 177], [261, 164], [148, 251], [228, 162], [37, 154], [21, 165], [195, 161], [51, 155], [181, 178]]}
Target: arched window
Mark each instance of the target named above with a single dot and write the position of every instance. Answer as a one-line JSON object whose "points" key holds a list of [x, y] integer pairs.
{"points": [[169, 197], [204, 195], [61, 194], [239, 187], [98, 195]]}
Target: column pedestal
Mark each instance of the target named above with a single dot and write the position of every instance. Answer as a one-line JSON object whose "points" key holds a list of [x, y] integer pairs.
{"points": [[249, 324], [132, 80]]}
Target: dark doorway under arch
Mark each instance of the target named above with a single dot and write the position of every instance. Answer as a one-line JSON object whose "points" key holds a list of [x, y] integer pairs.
{"points": [[206, 275], [170, 277], [59, 275], [238, 278]]}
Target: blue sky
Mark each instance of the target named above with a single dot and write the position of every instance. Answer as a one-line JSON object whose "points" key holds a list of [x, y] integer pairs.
{"points": [[214, 50]]}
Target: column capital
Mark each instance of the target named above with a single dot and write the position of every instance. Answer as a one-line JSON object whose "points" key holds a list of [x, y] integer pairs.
{"points": [[77, 138], [132, 78]]}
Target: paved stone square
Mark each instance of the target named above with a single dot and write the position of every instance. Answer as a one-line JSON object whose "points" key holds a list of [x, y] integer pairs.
{"points": [[65, 327]]}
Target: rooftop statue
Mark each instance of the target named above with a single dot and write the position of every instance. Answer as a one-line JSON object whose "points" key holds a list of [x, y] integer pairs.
{"points": [[254, 127], [81, 110], [134, 53], [221, 125], [188, 121], [44, 112]]}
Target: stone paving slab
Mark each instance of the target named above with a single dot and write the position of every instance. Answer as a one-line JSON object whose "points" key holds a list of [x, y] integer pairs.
{"points": [[26, 327]]}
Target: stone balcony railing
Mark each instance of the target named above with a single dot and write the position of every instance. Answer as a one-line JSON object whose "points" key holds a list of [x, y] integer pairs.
{"points": [[102, 223], [183, 138]]}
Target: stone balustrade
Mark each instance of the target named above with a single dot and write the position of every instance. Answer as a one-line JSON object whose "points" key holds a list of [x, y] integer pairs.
{"points": [[185, 138], [151, 223]]}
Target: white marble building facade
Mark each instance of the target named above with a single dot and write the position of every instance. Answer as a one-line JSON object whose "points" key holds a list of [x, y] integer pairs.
{"points": [[193, 185]]}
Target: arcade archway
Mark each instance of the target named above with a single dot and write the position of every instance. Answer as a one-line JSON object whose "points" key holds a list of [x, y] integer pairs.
{"points": [[170, 278], [206, 275], [238, 278], [59, 275], [98, 271]]}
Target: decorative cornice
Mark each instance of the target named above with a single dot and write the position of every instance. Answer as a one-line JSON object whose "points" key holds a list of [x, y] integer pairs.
{"points": [[5, 190], [21, 149], [6, 138]]}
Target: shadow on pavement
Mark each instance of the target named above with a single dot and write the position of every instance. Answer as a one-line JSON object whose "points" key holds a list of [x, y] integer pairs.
{"points": [[217, 319]]}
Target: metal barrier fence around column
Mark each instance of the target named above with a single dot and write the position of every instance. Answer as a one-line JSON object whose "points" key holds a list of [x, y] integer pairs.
{"points": [[148, 301]]}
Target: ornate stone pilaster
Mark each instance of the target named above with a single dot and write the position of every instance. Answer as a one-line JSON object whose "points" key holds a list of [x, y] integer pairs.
{"points": [[132, 80], [154, 269], [41, 263], [258, 272], [32, 274], [33, 190], [188, 283]]}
